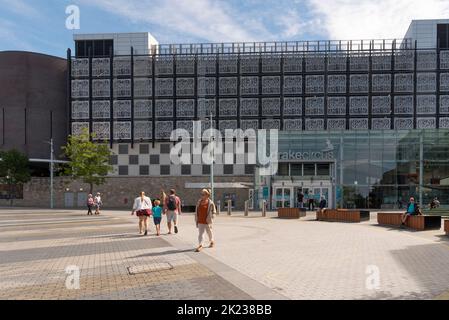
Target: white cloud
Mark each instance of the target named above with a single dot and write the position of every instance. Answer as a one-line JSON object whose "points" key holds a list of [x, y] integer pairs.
{"points": [[19, 7], [210, 20], [9, 36], [370, 19], [293, 25]]}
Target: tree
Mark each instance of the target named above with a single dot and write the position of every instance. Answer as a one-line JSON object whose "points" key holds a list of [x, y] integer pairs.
{"points": [[88, 161], [14, 170]]}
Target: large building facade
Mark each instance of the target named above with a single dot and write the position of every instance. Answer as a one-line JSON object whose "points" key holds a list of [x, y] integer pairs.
{"points": [[363, 123]]}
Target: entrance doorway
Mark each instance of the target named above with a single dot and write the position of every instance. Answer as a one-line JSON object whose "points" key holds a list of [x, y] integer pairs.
{"points": [[285, 193], [283, 197]]}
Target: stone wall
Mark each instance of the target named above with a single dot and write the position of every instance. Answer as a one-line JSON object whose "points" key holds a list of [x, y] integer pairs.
{"points": [[119, 192]]}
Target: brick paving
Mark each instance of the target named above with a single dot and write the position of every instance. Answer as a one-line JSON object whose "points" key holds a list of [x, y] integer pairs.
{"points": [[35, 253], [307, 259], [254, 258]]}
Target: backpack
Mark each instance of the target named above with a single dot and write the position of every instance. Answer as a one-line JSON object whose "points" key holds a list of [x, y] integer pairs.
{"points": [[171, 204]]}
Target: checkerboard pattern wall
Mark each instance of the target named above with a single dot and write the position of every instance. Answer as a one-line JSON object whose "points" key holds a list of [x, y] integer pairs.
{"points": [[146, 159]]}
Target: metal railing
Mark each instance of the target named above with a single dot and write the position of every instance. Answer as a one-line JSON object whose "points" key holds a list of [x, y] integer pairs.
{"points": [[283, 47]]}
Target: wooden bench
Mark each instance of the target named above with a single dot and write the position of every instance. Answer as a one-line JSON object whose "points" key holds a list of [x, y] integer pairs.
{"points": [[291, 213], [420, 223], [343, 215], [446, 227]]}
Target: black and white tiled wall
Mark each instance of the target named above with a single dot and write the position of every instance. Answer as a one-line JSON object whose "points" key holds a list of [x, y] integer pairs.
{"points": [[147, 160]]}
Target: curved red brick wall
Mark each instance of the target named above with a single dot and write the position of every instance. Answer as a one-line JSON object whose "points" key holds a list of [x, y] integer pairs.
{"points": [[37, 83]]}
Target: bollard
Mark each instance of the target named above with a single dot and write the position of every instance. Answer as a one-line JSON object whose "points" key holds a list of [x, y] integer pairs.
{"points": [[246, 208], [229, 207], [218, 207], [264, 208]]}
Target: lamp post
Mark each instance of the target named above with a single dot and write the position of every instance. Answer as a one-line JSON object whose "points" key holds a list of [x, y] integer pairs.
{"points": [[212, 155], [213, 160], [51, 172]]}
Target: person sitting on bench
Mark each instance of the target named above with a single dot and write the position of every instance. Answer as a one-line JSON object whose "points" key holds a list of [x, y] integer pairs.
{"points": [[412, 210], [434, 203], [323, 205]]}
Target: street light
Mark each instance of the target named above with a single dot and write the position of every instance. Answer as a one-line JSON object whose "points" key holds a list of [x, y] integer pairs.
{"points": [[213, 159], [211, 139], [51, 172]]}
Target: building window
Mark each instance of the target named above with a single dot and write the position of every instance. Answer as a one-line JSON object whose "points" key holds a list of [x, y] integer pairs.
{"points": [[144, 170], [296, 169], [309, 169], [283, 169], [154, 159], [123, 170], [443, 36], [94, 48], [123, 149], [165, 170], [186, 170], [134, 159], [323, 169]]}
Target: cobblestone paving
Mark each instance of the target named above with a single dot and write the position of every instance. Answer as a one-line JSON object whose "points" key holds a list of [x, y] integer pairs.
{"points": [[36, 247]]}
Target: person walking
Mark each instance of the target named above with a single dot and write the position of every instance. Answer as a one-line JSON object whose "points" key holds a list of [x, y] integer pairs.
{"points": [[98, 203], [157, 216], [162, 196], [300, 199], [90, 204], [142, 207], [311, 202], [204, 215], [172, 208]]}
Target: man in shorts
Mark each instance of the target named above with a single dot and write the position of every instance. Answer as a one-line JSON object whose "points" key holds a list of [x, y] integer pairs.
{"points": [[172, 208]]}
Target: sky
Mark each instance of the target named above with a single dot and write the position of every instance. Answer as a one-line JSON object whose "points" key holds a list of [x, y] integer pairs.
{"points": [[40, 25]]}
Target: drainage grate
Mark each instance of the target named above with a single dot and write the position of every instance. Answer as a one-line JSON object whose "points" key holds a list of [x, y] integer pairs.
{"points": [[147, 268]]}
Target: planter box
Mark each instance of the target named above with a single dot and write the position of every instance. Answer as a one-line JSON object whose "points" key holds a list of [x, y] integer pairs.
{"points": [[418, 223], [291, 213], [343, 215], [446, 227]]}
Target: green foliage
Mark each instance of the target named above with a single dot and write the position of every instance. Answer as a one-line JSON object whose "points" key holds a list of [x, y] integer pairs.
{"points": [[88, 161], [14, 168]]}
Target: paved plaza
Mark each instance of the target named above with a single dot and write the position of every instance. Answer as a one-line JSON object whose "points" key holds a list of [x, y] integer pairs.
{"points": [[255, 258]]}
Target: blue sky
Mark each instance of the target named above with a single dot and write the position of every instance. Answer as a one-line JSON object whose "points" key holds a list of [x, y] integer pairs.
{"points": [[39, 25]]}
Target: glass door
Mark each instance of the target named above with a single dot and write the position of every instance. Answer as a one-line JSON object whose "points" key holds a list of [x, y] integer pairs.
{"points": [[283, 197]]}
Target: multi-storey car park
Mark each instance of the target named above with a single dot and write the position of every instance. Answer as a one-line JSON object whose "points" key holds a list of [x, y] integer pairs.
{"points": [[364, 123]]}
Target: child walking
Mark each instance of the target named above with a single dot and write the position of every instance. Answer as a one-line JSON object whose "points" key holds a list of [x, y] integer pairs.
{"points": [[157, 216]]}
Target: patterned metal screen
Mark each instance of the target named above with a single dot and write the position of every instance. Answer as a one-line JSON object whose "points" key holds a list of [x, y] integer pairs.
{"points": [[143, 98]]}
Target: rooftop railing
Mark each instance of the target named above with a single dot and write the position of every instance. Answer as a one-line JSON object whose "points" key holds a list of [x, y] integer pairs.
{"points": [[284, 47]]}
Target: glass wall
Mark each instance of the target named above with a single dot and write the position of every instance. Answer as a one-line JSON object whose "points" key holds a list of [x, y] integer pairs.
{"points": [[378, 169]]}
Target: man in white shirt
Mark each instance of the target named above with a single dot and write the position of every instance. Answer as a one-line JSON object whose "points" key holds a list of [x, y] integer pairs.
{"points": [[142, 207]]}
